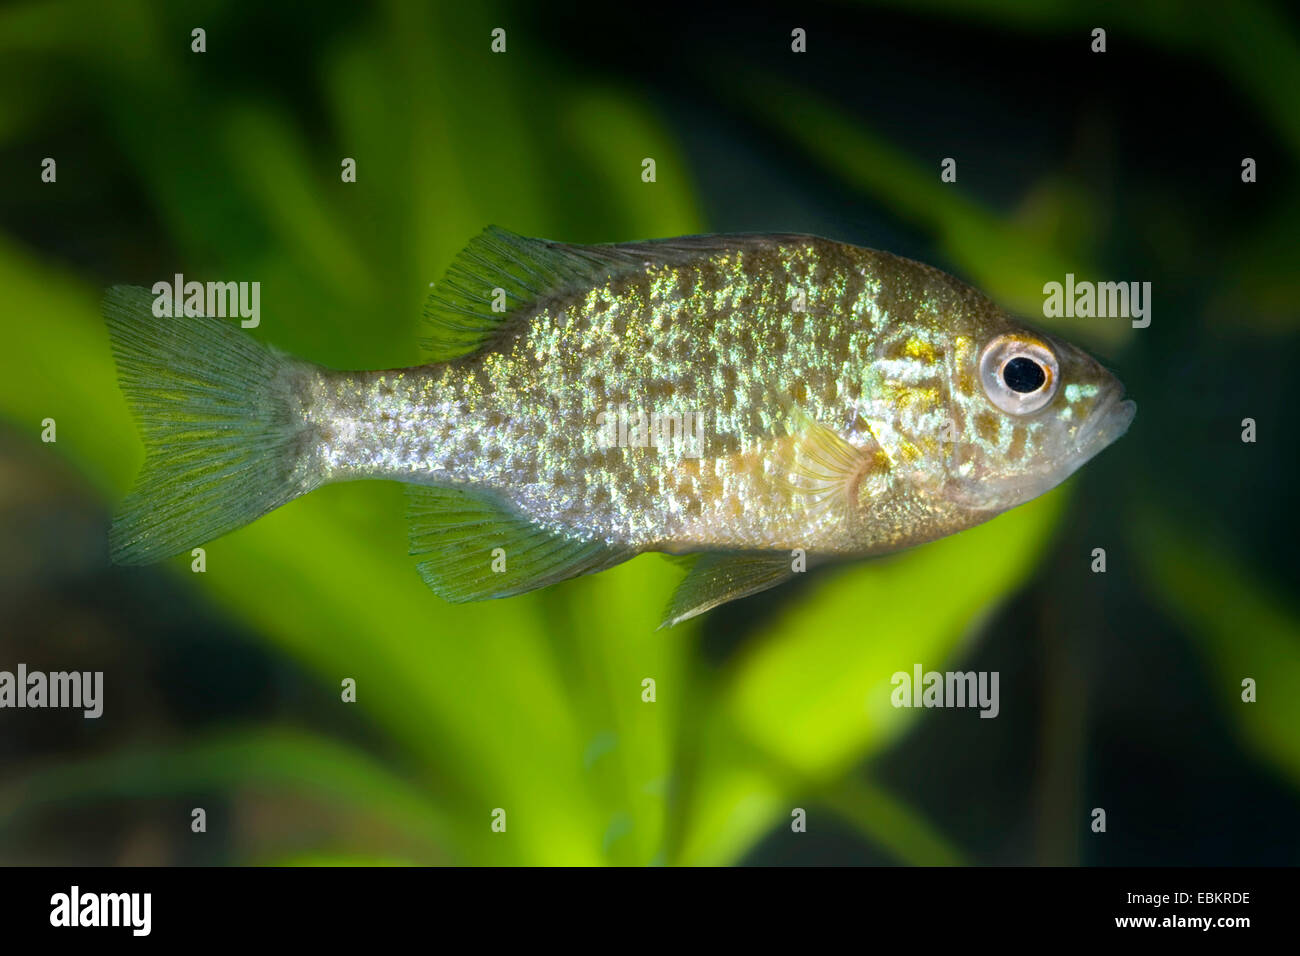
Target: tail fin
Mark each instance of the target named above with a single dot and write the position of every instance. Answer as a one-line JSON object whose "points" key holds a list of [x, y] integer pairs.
{"points": [[219, 413]]}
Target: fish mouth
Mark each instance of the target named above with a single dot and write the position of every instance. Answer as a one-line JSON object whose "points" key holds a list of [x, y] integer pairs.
{"points": [[1109, 420]]}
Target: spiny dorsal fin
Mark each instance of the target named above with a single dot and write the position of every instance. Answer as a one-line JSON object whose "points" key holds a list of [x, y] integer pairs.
{"points": [[718, 578], [459, 318], [460, 532]]}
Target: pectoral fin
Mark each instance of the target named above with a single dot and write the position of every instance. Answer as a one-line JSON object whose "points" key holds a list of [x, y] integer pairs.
{"points": [[716, 579], [825, 467]]}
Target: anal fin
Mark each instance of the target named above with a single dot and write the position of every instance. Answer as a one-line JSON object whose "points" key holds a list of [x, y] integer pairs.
{"points": [[461, 531], [718, 578]]}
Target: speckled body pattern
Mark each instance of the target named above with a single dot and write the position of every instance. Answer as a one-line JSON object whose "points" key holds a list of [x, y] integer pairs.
{"points": [[792, 348]]}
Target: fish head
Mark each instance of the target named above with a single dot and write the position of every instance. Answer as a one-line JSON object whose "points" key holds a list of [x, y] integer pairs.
{"points": [[1027, 410]]}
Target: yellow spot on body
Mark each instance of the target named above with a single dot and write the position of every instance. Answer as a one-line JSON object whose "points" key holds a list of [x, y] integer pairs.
{"points": [[920, 349], [987, 426], [964, 363], [1019, 435], [925, 397]]}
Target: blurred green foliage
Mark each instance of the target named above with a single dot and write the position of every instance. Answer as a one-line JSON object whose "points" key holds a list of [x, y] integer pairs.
{"points": [[531, 704]]}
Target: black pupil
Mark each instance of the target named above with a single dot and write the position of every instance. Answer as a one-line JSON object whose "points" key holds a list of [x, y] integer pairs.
{"points": [[1023, 375]]}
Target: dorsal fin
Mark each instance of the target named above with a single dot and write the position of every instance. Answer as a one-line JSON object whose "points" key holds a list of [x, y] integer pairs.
{"points": [[459, 318]]}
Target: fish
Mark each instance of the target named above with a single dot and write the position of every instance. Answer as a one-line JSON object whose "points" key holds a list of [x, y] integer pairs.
{"points": [[747, 404]]}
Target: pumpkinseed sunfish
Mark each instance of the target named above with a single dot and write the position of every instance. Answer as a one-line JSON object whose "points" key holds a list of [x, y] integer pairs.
{"points": [[750, 400]]}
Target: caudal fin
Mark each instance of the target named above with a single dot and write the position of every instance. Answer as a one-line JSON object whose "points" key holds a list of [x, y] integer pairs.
{"points": [[220, 417]]}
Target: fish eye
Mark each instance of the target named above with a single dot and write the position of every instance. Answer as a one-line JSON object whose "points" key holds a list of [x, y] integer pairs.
{"points": [[1023, 375], [1019, 374]]}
